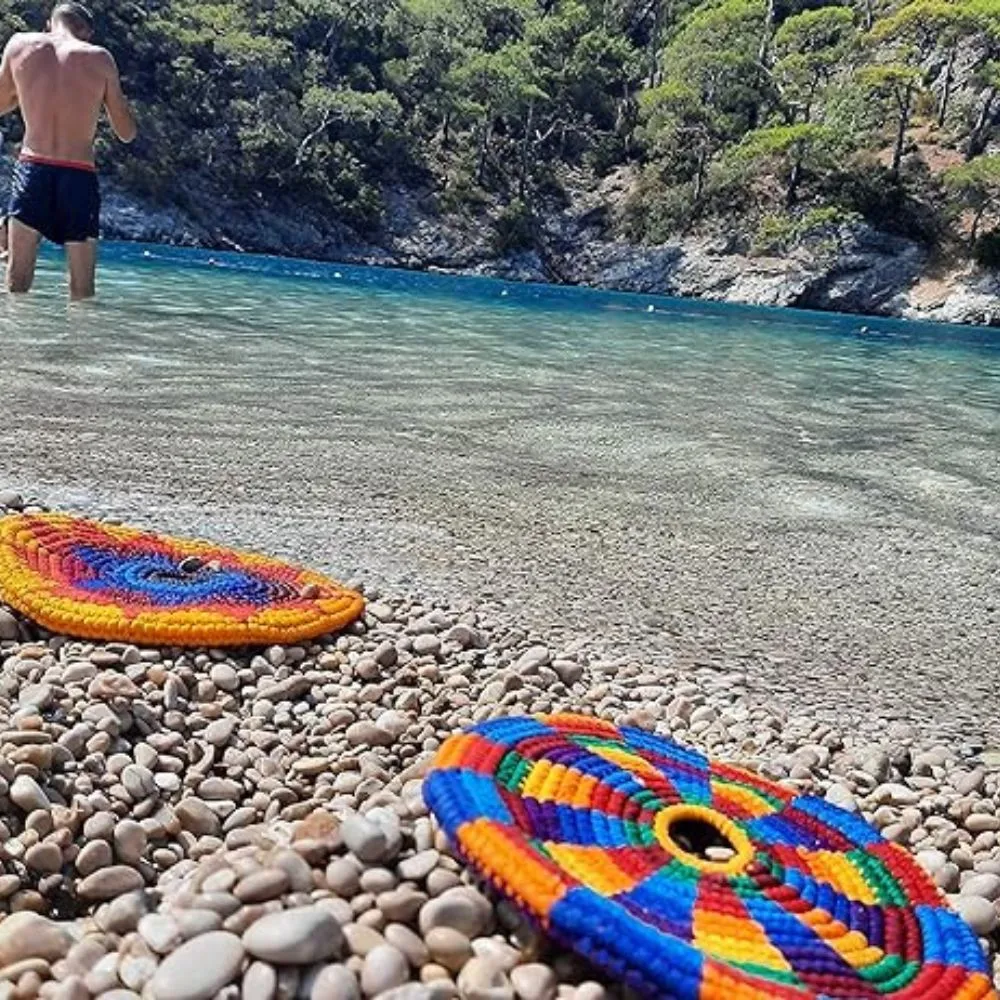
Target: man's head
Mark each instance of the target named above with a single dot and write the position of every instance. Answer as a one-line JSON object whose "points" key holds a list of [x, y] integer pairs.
{"points": [[74, 18]]}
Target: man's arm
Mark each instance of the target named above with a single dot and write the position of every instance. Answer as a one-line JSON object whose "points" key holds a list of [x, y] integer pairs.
{"points": [[8, 89], [119, 112]]}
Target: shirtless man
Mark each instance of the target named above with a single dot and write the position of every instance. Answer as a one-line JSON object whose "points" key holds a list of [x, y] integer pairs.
{"points": [[61, 82]]}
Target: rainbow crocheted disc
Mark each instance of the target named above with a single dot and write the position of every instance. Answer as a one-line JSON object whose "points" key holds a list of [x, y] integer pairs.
{"points": [[596, 832], [99, 581]]}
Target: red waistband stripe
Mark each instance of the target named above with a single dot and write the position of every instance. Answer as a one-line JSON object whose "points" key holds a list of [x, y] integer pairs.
{"points": [[47, 161]]}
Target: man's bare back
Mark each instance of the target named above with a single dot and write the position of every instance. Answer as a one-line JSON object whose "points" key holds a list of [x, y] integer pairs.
{"points": [[61, 82]]}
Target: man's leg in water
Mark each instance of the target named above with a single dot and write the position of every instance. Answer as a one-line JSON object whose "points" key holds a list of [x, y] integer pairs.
{"points": [[23, 254], [82, 261]]}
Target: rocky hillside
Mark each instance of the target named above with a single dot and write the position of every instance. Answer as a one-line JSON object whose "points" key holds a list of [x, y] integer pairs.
{"points": [[798, 152], [855, 269]]}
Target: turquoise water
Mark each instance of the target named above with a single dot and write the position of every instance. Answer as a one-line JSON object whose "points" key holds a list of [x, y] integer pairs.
{"points": [[764, 483]]}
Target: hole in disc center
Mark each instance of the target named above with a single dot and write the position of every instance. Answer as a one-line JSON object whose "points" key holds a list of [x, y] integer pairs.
{"points": [[704, 839], [701, 839]]}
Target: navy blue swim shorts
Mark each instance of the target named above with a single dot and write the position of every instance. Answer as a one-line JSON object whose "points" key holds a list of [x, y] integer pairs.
{"points": [[61, 201]]}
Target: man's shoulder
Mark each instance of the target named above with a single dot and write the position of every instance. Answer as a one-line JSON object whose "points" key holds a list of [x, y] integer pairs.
{"points": [[97, 53], [93, 55], [25, 39]]}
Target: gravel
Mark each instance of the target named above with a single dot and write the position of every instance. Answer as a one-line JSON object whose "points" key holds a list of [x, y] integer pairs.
{"points": [[189, 824]]}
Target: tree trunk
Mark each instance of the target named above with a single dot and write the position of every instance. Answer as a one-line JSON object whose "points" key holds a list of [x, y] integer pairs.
{"points": [[794, 180], [653, 46], [529, 118], [699, 177], [977, 141], [949, 80], [623, 128], [764, 53], [904, 101], [484, 145], [977, 219], [869, 14]]}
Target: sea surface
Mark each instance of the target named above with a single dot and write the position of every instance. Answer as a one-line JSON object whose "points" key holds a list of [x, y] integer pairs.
{"points": [[813, 497]]}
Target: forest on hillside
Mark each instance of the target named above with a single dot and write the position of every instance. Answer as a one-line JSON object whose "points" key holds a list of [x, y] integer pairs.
{"points": [[777, 118]]}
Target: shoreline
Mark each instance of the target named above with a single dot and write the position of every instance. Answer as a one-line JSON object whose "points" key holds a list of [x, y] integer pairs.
{"points": [[660, 303], [867, 274], [181, 777], [851, 269]]}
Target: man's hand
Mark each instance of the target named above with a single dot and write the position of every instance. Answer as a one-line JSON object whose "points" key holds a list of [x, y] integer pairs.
{"points": [[8, 89], [119, 112]]}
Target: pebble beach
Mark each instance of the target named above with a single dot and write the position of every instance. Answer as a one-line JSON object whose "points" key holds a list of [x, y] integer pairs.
{"points": [[191, 824]]}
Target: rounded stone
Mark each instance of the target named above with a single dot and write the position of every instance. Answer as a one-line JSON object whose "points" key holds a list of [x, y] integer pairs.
{"points": [[590, 991], [160, 932], [262, 886], [363, 838], [342, 878], [419, 866], [534, 982], [480, 979], [335, 982], [456, 909], [199, 968], [361, 939], [295, 937], [130, 841], [982, 823], [410, 944], [197, 818], [448, 947], [385, 968], [27, 935], [980, 914], [986, 885], [260, 982], [27, 794], [45, 858], [9, 628], [109, 883]]}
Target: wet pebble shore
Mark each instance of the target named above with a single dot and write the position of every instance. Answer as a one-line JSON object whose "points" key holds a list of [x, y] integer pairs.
{"points": [[190, 824]]}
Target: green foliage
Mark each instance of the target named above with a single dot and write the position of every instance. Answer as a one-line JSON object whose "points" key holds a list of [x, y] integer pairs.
{"points": [[809, 48], [893, 80], [514, 228], [752, 115], [657, 211], [976, 183], [788, 150], [975, 186], [780, 232], [986, 250]]}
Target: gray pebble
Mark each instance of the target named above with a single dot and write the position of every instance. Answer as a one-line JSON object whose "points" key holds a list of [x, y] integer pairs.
{"points": [[263, 885], [199, 968], [364, 838], [260, 982], [980, 914], [299, 936], [335, 982], [385, 967], [109, 883]]}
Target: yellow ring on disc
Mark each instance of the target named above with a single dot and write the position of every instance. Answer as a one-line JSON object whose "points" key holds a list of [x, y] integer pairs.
{"points": [[701, 814]]}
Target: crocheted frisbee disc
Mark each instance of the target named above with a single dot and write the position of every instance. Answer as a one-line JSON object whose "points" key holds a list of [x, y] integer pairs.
{"points": [[599, 834], [99, 581]]}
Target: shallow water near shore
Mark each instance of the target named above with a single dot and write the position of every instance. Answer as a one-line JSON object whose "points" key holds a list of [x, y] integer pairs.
{"points": [[812, 500]]}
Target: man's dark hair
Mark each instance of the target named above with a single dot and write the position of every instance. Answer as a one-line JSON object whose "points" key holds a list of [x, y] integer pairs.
{"points": [[76, 17]]}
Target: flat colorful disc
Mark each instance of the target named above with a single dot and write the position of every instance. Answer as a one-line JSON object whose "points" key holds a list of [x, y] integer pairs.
{"points": [[690, 879], [101, 581]]}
